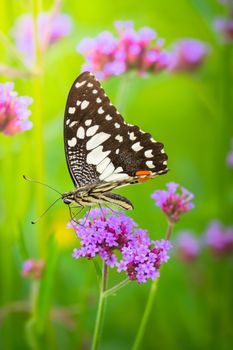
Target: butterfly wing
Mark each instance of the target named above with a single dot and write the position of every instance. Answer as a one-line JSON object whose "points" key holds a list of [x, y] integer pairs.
{"points": [[101, 148]]}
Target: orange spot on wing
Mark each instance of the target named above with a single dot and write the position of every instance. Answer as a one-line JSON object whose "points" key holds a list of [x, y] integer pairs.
{"points": [[143, 173]]}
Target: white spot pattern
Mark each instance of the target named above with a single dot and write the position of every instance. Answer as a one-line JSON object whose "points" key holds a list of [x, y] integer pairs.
{"points": [[77, 85], [108, 171], [78, 102], [100, 110], [136, 147], [94, 91], [116, 177], [73, 123], [119, 138], [85, 104], [117, 125], [92, 130], [72, 142], [97, 140], [88, 122], [108, 117], [98, 100], [71, 110], [89, 84], [132, 136], [150, 164], [102, 165], [96, 155], [80, 133], [148, 153], [68, 121]]}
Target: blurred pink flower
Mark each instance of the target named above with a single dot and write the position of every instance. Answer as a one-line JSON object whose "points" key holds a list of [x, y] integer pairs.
{"points": [[188, 246], [33, 268], [225, 27], [218, 238], [51, 28], [230, 156], [140, 50], [172, 203], [187, 55], [14, 111]]}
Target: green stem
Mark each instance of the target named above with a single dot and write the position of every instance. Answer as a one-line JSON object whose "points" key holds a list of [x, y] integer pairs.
{"points": [[101, 308], [145, 317], [150, 301], [114, 289], [38, 127], [169, 230], [120, 99], [31, 329]]}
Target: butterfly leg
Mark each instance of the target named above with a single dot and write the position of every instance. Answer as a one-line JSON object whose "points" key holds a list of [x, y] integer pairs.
{"points": [[73, 216]]}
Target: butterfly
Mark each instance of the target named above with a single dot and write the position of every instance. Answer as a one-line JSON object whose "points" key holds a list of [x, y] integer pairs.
{"points": [[103, 152]]}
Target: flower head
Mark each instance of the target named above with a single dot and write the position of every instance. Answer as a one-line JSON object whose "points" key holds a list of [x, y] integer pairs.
{"points": [[51, 28], [117, 240], [14, 111], [140, 50], [219, 239], [187, 55], [225, 27], [33, 268], [188, 246], [173, 203]]}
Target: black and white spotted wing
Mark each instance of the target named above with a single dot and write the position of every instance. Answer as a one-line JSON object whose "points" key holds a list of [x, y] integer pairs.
{"points": [[100, 146]]}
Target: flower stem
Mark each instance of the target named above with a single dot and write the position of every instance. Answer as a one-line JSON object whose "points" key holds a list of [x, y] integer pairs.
{"points": [[101, 308], [169, 230], [30, 327], [38, 125], [118, 286], [150, 301], [145, 317]]}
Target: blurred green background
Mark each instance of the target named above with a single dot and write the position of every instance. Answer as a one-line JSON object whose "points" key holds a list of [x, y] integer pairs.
{"points": [[191, 113]]}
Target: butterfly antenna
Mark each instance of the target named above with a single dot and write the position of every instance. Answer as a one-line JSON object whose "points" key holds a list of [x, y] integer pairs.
{"points": [[35, 221], [41, 183]]}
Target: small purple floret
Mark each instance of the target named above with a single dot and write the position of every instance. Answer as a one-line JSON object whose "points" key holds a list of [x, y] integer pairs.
{"points": [[173, 203], [117, 240], [14, 110]]}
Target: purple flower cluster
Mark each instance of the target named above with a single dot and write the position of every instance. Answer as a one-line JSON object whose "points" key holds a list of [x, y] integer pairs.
{"points": [[230, 156], [32, 268], [188, 246], [139, 50], [117, 240], [51, 28], [219, 239], [187, 55], [173, 203], [14, 111]]}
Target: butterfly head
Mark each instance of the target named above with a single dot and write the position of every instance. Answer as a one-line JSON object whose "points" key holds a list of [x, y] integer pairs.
{"points": [[68, 197]]}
